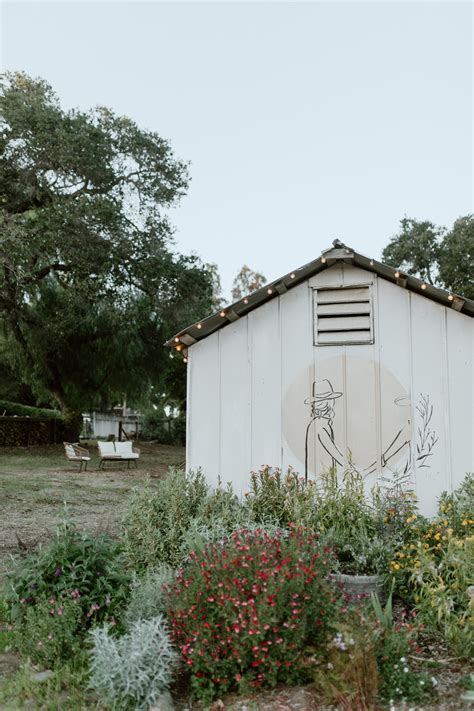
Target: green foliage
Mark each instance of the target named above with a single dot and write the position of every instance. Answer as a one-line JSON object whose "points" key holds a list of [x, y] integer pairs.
{"points": [[157, 426], [89, 280], [147, 597], [74, 567], [49, 630], [367, 661], [280, 498], [162, 524], [156, 520], [14, 408], [65, 690], [130, 672], [458, 508], [440, 257], [435, 570], [242, 611]]}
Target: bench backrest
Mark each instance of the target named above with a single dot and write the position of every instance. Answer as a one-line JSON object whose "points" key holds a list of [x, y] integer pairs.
{"points": [[106, 448], [70, 451], [123, 448]]}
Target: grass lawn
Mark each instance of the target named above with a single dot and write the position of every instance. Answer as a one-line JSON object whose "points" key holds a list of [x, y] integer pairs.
{"points": [[36, 482]]}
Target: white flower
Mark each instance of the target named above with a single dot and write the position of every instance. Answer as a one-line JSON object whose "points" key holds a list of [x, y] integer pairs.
{"points": [[405, 669], [434, 681], [402, 659]]}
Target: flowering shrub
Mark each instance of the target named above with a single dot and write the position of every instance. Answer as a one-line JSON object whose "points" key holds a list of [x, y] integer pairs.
{"points": [[48, 631], [398, 681], [434, 569], [57, 592], [75, 566], [242, 612]]}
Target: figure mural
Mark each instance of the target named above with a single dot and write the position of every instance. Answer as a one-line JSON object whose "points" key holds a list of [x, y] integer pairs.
{"points": [[397, 452]]}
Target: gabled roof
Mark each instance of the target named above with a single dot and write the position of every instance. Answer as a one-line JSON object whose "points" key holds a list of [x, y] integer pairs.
{"points": [[339, 252]]}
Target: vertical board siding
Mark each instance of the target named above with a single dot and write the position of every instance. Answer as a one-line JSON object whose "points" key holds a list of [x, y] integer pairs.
{"points": [[203, 418], [428, 359], [264, 345], [397, 406], [296, 372], [460, 376], [235, 395]]}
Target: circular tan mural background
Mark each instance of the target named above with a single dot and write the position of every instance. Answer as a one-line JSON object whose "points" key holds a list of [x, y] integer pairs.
{"points": [[371, 415]]}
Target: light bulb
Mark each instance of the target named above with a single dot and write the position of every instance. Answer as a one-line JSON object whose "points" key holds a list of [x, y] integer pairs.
{"points": [[451, 297], [397, 274], [246, 301], [323, 260], [199, 325], [179, 348], [222, 313], [423, 286], [176, 340], [292, 275], [269, 291]]}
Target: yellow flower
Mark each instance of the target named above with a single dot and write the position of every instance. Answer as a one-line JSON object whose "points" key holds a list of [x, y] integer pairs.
{"points": [[465, 522], [450, 531], [411, 546], [437, 536]]}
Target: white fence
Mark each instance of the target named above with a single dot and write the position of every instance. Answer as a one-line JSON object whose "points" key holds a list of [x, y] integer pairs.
{"points": [[105, 425]]}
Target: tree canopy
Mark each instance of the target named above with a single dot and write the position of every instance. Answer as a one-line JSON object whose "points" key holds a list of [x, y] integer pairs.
{"points": [[90, 285], [442, 257]]}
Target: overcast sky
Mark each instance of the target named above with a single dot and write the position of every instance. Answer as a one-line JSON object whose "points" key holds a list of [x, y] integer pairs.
{"points": [[303, 122]]}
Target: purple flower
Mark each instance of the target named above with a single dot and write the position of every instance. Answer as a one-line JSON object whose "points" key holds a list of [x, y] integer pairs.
{"points": [[57, 572]]}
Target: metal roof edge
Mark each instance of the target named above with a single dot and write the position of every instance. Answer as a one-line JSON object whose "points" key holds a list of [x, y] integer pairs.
{"points": [[338, 252]]}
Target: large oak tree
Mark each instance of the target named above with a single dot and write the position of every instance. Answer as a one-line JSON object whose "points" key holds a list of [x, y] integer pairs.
{"points": [[90, 285]]}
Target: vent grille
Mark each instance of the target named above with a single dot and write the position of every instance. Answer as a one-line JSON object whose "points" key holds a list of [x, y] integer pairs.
{"points": [[343, 316]]}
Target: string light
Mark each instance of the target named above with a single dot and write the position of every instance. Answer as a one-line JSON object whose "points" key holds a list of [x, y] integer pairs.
{"points": [[292, 275], [397, 275], [246, 301], [451, 297], [222, 313], [371, 262], [423, 286], [176, 340], [269, 291], [179, 348], [199, 325], [185, 360], [323, 260]]}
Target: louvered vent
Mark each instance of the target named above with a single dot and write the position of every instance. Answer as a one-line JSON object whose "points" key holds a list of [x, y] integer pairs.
{"points": [[343, 315]]}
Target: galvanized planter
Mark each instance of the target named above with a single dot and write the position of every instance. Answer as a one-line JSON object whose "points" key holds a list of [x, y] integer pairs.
{"points": [[360, 586]]}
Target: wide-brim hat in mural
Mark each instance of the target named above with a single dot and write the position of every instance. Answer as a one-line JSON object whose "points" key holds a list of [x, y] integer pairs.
{"points": [[322, 390]]}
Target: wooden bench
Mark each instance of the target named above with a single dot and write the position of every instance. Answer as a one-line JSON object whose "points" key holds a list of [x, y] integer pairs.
{"points": [[75, 453], [118, 452]]}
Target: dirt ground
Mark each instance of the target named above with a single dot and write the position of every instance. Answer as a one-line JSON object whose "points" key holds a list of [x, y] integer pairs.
{"points": [[37, 482]]}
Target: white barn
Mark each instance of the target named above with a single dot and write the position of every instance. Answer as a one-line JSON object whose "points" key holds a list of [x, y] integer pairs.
{"points": [[345, 360]]}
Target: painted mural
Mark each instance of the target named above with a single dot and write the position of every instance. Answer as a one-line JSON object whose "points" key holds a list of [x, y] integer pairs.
{"points": [[323, 413], [342, 426]]}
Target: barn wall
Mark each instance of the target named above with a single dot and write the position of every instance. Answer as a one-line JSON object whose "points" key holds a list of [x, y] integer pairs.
{"points": [[401, 405]]}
